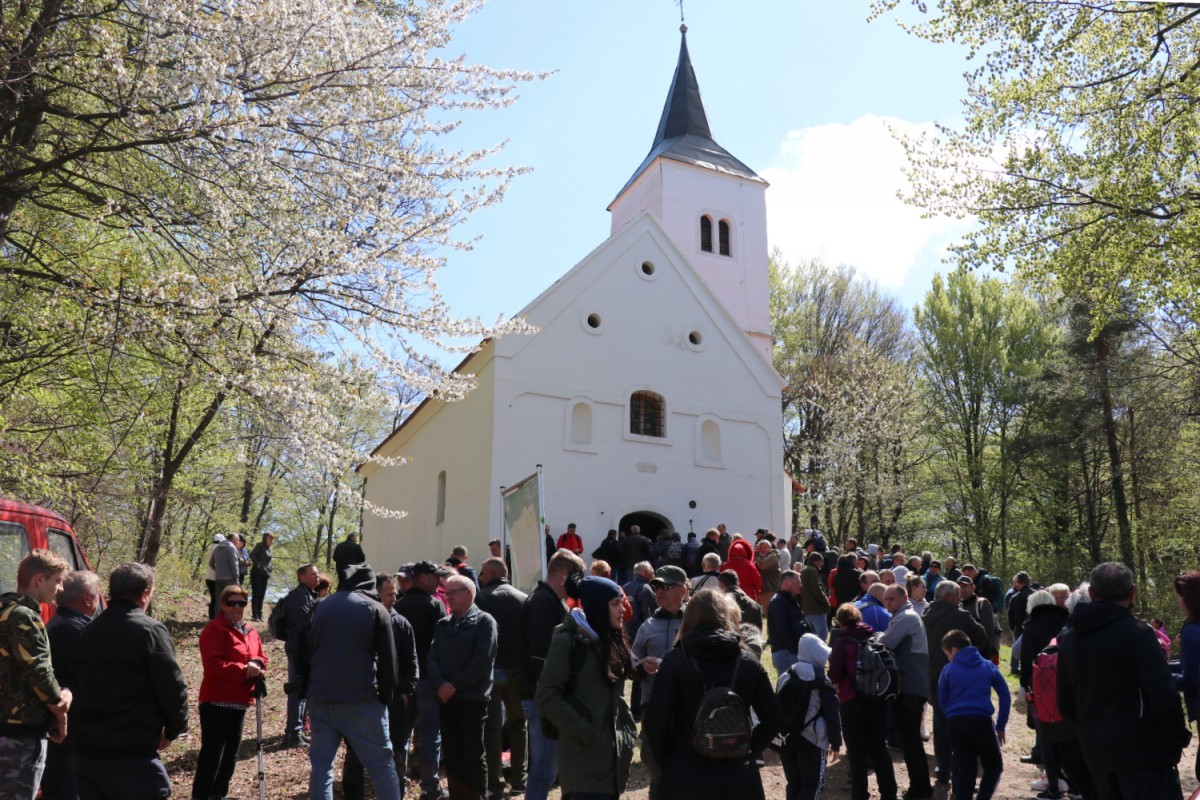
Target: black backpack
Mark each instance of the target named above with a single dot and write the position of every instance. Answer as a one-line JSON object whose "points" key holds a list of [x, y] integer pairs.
{"points": [[277, 622], [722, 728], [818, 540], [796, 699], [876, 676]]}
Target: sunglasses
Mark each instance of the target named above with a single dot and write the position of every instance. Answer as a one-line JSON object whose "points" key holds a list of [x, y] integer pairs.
{"points": [[236, 603]]}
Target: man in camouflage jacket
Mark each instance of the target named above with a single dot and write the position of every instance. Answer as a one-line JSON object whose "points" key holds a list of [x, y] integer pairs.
{"points": [[31, 701]]}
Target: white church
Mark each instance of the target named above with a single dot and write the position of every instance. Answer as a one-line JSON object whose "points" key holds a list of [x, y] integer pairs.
{"points": [[648, 393]]}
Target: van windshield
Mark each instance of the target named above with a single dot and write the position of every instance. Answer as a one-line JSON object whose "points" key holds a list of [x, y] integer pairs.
{"points": [[14, 545]]}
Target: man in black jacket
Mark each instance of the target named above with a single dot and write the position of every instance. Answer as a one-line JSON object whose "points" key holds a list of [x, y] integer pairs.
{"points": [[504, 602], [460, 664], [543, 611], [348, 552], [353, 785], [260, 574], [77, 605], [297, 604], [132, 700], [945, 615], [1018, 611], [423, 610], [1115, 685], [350, 669]]}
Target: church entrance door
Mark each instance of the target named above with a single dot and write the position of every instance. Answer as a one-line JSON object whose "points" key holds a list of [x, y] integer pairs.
{"points": [[648, 521]]}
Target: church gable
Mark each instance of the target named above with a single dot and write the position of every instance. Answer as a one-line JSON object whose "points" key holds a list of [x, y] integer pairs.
{"points": [[635, 312]]}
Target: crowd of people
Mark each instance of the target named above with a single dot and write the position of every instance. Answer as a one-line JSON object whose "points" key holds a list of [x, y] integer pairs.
{"points": [[438, 670]]}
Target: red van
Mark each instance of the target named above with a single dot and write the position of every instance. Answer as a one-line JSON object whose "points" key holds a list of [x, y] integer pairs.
{"points": [[23, 528]]}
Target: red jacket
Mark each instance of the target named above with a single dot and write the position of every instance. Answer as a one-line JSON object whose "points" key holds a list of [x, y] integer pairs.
{"points": [[225, 653], [741, 561], [571, 541]]}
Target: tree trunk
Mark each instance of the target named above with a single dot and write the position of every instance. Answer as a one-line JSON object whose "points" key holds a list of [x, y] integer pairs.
{"points": [[1124, 529]]}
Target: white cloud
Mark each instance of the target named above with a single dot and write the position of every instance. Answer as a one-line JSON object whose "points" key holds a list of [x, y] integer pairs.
{"points": [[834, 195]]}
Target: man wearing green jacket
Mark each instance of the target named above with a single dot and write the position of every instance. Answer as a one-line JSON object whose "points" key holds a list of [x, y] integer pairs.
{"points": [[33, 704], [813, 600]]}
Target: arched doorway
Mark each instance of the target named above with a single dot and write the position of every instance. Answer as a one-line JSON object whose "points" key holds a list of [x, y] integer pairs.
{"points": [[650, 523]]}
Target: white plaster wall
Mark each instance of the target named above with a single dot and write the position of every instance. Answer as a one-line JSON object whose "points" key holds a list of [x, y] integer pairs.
{"points": [[678, 194], [455, 437], [642, 344]]}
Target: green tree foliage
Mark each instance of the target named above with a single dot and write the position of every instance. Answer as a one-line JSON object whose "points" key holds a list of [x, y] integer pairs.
{"points": [[1077, 153], [844, 350], [982, 342]]}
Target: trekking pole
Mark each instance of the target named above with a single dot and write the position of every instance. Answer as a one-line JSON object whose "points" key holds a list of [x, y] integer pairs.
{"points": [[260, 691]]}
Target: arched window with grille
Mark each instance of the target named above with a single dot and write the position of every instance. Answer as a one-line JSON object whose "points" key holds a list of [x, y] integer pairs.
{"points": [[706, 233], [723, 237], [647, 413]]}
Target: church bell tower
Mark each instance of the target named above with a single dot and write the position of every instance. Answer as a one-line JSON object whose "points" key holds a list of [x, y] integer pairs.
{"points": [[711, 204]]}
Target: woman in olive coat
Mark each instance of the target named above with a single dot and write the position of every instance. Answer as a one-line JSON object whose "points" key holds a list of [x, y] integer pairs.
{"points": [[581, 693]]}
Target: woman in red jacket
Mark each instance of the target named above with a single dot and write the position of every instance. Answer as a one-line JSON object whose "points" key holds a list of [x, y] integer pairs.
{"points": [[233, 659], [741, 561]]}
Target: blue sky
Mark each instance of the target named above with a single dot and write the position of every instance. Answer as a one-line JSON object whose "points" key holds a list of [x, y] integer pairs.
{"points": [[803, 91]]}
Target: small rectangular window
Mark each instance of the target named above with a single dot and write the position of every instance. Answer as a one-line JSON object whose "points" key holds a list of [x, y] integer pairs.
{"points": [[706, 234], [63, 543], [14, 545], [723, 234]]}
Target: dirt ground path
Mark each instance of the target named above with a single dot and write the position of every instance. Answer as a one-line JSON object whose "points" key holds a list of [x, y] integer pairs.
{"points": [[286, 771]]}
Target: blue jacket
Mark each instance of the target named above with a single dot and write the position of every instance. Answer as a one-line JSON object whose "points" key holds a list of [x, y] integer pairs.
{"points": [[873, 613], [965, 688]]}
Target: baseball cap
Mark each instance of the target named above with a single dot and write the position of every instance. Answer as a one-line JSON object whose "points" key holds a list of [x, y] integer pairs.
{"points": [[429, 568], [669, 576], [965, 580], [405, 571]]}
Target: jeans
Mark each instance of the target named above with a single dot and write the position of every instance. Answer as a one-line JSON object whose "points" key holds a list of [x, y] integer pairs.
{"points": [[975, 745], [908, 709], [429, 729], [783, 660], [58, 781], [505, 714], [22, 760], [543, 755], [220, 738], [295, 704], [819, 623], [353, 776], [364, 726]]}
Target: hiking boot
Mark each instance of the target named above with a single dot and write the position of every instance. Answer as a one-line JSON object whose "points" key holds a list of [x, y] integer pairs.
{"points": [[292, 741]]}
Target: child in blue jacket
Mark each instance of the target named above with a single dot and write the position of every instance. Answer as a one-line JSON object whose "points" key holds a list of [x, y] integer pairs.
{"points": [[964, 694]]}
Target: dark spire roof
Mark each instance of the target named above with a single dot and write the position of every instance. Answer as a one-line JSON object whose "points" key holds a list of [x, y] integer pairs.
{"points": [[683, 133]]}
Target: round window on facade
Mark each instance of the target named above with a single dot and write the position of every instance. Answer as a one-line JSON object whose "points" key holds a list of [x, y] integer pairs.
{"points": [[647, 270], [695, 340], [592, 322]]}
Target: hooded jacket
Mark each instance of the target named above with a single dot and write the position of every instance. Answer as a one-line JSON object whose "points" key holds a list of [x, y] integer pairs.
{"points": [[845, 583], [741, 561], [1114, 683], [350, 652], [596, 730], [823, 707], [965, 688], [812, 594], [670, 712]]}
